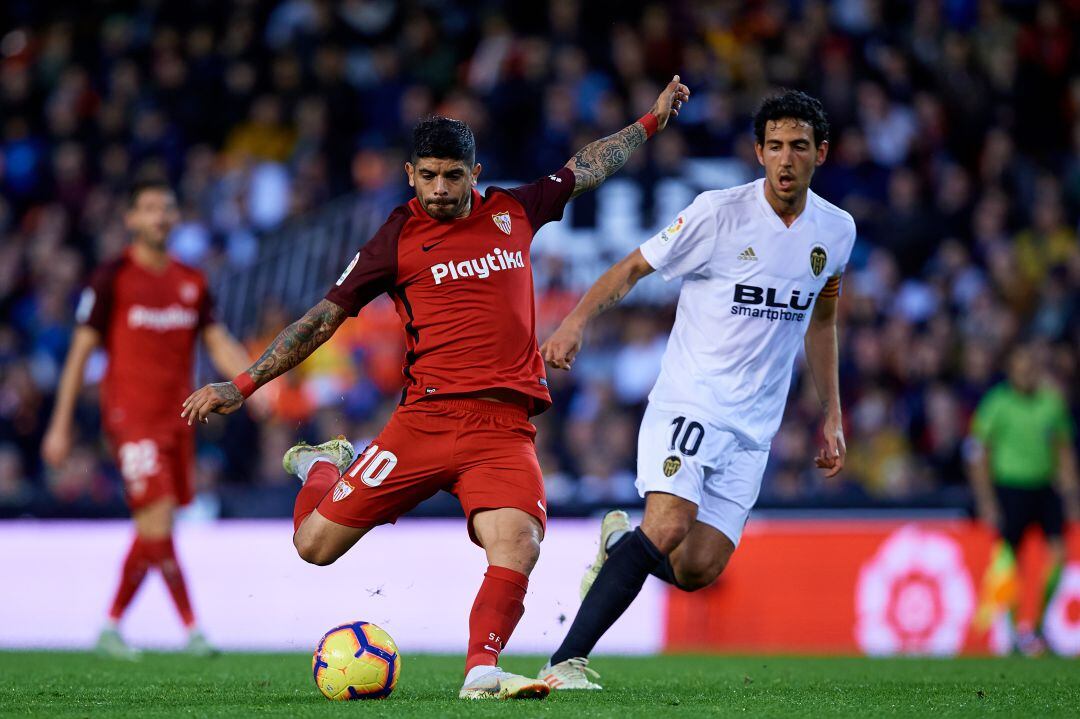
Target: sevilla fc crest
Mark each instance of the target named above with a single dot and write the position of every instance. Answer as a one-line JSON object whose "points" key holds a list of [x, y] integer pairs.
{"points": [[502, 221], [342, 490], [189, 292]]}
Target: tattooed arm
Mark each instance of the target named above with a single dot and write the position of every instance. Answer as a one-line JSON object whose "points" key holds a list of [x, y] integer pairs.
{"points": [[288, 349], [599, 160], [561, 348]]}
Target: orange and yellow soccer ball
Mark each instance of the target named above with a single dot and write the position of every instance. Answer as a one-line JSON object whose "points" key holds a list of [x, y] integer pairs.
{"points": [[356, 661]]}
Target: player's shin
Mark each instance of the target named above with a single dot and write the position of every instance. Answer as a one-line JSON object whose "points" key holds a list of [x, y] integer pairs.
{"points": [[167, 563], [136, 565], [321, 477], [664, 570], [619, 582], [495, 613]]}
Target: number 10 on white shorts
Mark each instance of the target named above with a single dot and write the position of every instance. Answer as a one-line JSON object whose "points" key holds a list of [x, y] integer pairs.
{"points": [[684, 455]]}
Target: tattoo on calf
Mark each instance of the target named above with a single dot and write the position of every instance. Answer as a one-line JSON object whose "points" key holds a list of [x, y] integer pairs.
{"points": [[599, 160], [297, 341]]}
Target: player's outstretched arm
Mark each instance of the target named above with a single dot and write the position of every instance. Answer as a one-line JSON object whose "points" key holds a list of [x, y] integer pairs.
{"points": [[561, 348], [230, 358], [295, 343], [56, 445], [601, 159], [822, 357], [226, 353]]}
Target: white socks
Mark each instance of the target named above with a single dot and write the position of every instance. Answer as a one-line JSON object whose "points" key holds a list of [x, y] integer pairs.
{"points": [[615, 537], [479, 671], [304, 466]]}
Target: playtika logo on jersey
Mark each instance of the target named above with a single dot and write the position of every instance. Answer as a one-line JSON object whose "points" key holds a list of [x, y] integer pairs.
{"points": [[481, 267], [162, 319]]}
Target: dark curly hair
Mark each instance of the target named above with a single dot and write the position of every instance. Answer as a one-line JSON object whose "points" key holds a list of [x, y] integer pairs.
{"points": [[145, 183], [793, 104], [445, 138]]}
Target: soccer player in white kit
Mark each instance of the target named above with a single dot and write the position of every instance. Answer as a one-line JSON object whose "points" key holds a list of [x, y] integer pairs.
{"points": [[761, 266]]}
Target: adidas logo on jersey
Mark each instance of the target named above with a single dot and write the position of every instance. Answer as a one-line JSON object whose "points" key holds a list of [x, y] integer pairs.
{"points": [[748, 255], [481, 267]]}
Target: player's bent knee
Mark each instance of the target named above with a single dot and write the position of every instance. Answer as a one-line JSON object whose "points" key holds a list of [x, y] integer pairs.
{"points": [[693, 576], [694, 580], [522, 550], [312, 551], [666, 534]]}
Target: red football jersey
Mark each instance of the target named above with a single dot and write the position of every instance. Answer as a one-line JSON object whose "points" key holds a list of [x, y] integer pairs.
{"points": [[149, 322], [464, 291]]}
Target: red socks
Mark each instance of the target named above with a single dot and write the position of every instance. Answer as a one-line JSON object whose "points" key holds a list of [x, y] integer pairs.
{"points": [[174, 580], [146, 553], [136, 565], [498, 607], [320, 478]]}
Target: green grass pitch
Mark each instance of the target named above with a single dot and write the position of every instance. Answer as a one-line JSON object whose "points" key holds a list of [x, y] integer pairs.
{"points": [[59, 684]]}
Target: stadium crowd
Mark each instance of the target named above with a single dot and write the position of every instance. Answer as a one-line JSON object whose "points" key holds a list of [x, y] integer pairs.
{"points": [[955, 145]]}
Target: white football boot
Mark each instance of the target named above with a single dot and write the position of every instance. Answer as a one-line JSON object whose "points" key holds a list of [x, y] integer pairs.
{"points": [[199, 646], [570, 674], [111, 644], [497, 684], [614, 521], [301, 456]]}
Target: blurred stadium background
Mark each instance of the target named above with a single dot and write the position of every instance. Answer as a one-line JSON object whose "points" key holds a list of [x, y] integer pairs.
{"points": [[284, 125]]}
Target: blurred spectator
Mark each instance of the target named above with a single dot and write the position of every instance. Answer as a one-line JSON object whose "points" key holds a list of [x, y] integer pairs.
{"points": [[955, 144]]}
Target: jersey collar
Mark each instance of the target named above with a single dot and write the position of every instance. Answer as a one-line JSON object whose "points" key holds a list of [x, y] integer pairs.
{"points": [[773, 218]]}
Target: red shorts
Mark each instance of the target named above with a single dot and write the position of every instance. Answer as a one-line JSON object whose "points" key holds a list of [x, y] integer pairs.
{"points": [[481, 452], [155, 464]]}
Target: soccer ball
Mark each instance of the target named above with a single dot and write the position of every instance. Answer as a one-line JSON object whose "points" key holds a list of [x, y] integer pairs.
{"points": [[356, 661]]}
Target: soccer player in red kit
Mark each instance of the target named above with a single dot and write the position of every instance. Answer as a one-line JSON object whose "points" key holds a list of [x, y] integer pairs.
{"points": [[457, 266], [147, 310]]}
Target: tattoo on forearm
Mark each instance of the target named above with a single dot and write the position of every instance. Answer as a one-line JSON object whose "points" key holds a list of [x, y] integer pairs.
{"points": [[599, 160], [297, 341], [612, 300]]}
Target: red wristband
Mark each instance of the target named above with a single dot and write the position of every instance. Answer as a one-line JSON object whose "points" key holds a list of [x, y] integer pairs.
{"points": [[651, 124], [245, 384]]}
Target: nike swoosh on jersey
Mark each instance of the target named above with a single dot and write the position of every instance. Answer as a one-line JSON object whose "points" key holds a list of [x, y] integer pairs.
{"points": [[428, 246]]}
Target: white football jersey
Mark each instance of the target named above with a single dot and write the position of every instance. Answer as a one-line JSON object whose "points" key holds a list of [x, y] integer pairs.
{"points": [[749, 288]]}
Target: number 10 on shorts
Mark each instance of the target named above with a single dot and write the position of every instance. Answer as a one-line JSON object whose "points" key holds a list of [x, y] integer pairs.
{"points": [[374, 466], [686, 436]]}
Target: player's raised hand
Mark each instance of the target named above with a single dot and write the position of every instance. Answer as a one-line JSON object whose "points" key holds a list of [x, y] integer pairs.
{"points": [[219, 398], [670, 102], [56, 446], [832, 456], [560, 349]]}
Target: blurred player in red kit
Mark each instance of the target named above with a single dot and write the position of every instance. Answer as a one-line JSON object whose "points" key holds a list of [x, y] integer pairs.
{"points": [[457, 266], [147, 310]]}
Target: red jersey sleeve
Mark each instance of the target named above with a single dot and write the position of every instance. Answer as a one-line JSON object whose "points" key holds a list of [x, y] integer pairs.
{"points": [[95, 303], [545, 199], [207, 309], [373, 269]]}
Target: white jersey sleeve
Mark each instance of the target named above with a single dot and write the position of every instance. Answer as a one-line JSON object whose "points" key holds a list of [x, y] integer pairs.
{"points": [[848, 244], [686, 245]]}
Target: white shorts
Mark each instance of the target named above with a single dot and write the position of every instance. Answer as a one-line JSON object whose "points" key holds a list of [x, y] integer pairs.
{"points": [[686, 456]]}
